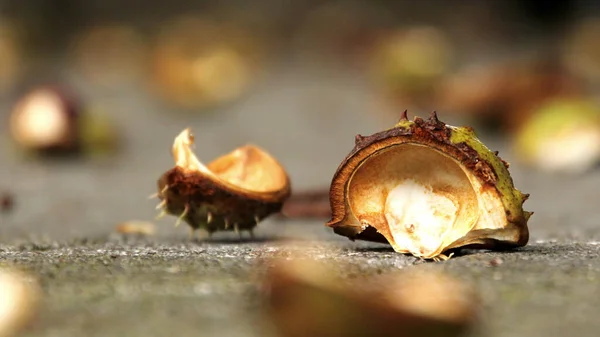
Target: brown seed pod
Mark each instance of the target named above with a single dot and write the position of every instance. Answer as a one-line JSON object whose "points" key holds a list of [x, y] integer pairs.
{"points": [[426, 187], [233, 192]]}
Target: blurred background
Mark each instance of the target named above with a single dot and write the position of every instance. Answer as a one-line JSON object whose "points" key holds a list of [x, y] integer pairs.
{"points": [[114, 82]]}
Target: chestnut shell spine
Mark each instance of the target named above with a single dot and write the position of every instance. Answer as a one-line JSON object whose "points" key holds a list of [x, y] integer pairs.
{"points": [[203, 204]]}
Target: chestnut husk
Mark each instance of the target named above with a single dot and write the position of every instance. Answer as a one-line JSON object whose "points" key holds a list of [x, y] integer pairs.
{"points": [[204, 198], [503, 226]]}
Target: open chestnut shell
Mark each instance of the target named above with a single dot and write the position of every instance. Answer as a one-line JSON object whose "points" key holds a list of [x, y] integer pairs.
{"points": [[425, 188], [233, 192]]}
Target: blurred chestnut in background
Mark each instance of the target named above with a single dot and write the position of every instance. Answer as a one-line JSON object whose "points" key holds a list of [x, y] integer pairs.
{"points": [[109, 55], [46, 120], [501, 96], [581, 50], [407, 64], [308, 298], [561, 135], [10, 56], [339, 31], [50, 120], [198, 63], [20, 299]]}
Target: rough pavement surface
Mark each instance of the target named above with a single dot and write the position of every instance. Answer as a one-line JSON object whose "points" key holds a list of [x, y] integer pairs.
{"points": [[97, 283]]}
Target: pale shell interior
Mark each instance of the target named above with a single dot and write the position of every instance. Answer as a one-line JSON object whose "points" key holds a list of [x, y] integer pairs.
{"points": [[250, 168], [247, 167], [420, 199]]}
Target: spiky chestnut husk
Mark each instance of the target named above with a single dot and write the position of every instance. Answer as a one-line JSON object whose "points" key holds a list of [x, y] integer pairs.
{"points": [[232, 193], [453, 172], [408, 303]]}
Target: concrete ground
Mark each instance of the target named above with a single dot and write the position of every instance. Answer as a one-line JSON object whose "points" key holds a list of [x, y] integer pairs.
{"points": [[97, 283]]}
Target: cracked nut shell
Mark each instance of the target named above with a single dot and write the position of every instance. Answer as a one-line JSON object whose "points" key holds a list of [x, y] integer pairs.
{"points": [[426, 187], [233, 192]]}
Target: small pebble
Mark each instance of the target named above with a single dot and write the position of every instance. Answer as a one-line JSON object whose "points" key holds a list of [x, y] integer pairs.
{"points": [[496, 262]]}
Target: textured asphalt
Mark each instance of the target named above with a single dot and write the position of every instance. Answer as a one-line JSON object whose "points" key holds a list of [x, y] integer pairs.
{"points": [[98, 283]]}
